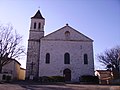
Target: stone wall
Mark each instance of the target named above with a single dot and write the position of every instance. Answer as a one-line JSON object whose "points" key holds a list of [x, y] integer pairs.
{"points": [[57, 49]]}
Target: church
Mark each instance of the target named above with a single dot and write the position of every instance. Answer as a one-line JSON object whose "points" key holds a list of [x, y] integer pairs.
{"points": [[65, 52]]}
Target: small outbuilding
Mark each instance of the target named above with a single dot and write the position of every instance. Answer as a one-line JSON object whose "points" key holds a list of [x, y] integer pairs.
{"points": [[12, 71], [104, 76]]}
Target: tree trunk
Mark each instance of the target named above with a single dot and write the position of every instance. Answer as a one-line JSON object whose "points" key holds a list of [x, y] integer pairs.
{"points": [[115, 73]]}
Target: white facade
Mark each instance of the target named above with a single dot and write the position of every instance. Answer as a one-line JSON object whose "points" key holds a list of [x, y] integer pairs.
{"points": [[57, 44]]}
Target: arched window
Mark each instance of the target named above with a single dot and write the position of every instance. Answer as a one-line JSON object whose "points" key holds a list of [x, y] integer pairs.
{"points": [[47, 61], [85, 59], [39, 25], [35, 25], [67, 58], [67, 35]]}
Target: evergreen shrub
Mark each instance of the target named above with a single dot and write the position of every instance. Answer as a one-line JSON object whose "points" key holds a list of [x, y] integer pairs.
{"points": [[51, 79], [89, 79]]}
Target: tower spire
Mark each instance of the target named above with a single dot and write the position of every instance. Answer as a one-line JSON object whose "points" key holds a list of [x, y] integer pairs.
{"points": [[33, 54], [38, 15]]}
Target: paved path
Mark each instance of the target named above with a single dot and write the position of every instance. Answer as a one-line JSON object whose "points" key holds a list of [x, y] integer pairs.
{"points": [[57, 87]]}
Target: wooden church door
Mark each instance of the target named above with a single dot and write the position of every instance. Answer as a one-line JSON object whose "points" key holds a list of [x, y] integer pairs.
{"points": [[67, 74]]}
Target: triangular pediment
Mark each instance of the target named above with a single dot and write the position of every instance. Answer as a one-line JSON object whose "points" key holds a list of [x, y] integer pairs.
{"points": [[67, 33]]}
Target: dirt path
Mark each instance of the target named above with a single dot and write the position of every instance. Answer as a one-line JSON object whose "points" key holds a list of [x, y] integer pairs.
{"points": [[57, 87]]}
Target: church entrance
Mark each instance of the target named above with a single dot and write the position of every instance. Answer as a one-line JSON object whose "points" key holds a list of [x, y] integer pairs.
{"points": [[67, 74]]}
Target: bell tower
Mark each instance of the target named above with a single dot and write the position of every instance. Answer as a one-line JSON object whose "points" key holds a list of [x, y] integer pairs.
{"points": [[33, 51]]}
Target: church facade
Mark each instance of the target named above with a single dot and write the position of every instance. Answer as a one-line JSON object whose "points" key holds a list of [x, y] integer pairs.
{"points": [[65, 52]]}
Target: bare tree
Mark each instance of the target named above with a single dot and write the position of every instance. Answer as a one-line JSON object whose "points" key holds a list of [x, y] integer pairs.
{"points": [[10, 45], [110, 58]]}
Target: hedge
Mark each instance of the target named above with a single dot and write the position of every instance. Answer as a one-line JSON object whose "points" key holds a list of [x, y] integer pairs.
{"points": [[89, 79], [51, 79]]}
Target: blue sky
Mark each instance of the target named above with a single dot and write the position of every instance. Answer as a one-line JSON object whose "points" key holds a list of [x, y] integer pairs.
{"points": [[98, 19]]}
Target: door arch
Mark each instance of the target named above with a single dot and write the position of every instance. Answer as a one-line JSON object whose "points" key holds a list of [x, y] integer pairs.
{"points": [[67, 74]]}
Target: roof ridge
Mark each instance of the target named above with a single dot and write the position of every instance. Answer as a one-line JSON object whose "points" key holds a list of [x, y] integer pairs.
{"points": [[69, 27]]}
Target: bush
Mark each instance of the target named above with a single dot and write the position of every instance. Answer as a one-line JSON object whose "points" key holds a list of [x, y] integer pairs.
{"points": [[44, 79], [89, 79], [3, 77], [51, 79], [8, 78], [58, 78]]}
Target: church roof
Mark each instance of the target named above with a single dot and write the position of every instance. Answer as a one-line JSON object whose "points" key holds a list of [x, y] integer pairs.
{"points": [[38, 15], [75, 35]]}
